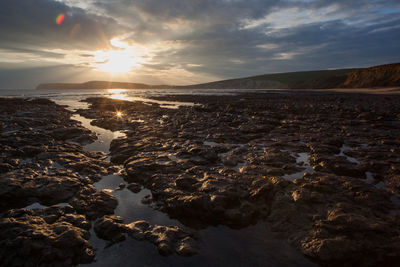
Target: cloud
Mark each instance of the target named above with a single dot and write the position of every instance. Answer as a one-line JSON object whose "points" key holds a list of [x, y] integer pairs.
{"points": [[31, 24], [283, 36], [203, 40]]}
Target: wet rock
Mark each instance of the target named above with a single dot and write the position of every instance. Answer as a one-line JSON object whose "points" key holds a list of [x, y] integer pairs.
{"points": [[146, 199], [121, 186], [231, 161], [134, 187], [5, 167], [167, 239], [272, 130], [186, 247], [30, 151], [136, 169], [324, 215], [51, 236], [185, 182], [209, 155], [94, 204], [138, 229], [110, 228], [66, 133], [17, 187]]}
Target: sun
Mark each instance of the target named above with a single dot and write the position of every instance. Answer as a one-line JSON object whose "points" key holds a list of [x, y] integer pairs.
{"points": [[121, 59], [116, 61]]}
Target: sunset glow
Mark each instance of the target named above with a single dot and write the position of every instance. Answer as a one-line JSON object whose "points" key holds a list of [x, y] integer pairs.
{"points": [[122, 59], [158, 42], [116, 62], [200, 133]]}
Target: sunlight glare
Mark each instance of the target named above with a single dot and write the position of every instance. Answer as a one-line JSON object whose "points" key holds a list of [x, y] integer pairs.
{"points": [[121, 59], [118, 94], [116, 91], [117, 61]]}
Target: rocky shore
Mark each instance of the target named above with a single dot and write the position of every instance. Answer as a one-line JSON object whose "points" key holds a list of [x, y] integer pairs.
{"points": [[43, 164], [322, 170]]}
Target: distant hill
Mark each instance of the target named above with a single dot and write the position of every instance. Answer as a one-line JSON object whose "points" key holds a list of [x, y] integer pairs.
{"points": [[378, 76], [288, 80]]}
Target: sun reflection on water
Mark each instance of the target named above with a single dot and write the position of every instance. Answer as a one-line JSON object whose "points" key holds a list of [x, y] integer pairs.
{"points": [[118, 94]]}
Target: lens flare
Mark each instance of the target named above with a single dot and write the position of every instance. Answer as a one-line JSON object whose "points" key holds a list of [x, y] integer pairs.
{"points": [[60, 18]]}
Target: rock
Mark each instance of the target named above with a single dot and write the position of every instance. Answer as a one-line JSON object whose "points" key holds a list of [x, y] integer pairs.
{"points": [[94, 204], [137, 169], [110, 228], [138, 229], [31, 236], [134, 187], [170, 239], [186, 247], [210, 155], [17, 188], [121, 186], [69, 133], [230, 161], [5, 167], [167, 239], [185, 183], [331, 215]]}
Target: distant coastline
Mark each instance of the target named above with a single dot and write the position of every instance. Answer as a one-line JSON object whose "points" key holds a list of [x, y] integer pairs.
{"points": [[378, 76]]}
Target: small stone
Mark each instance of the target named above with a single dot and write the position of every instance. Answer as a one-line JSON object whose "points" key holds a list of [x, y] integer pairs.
{"points": [[134, 187], [121, 186]]}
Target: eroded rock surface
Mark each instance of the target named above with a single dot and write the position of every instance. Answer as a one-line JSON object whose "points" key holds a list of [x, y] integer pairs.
{"points": [[167, 239], [322, 169], [42, 160], [39, 157], [52, 236]]}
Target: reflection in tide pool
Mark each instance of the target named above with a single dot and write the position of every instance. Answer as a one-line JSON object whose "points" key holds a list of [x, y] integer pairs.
{"points": [[104, 136], [132, 95], [120, 94]]}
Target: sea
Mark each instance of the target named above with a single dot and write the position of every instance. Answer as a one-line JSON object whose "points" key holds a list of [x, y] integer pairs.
{"points": [[133, 94]]}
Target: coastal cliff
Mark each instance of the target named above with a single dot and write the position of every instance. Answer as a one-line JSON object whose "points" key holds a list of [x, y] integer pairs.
{"points": [[379, 76]]}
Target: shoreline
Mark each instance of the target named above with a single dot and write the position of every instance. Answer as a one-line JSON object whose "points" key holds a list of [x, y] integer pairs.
{"points": [[377, 90]]}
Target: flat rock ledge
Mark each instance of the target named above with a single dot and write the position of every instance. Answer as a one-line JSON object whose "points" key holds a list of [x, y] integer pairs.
{"points": [[54, 236], [168, 240], [321, 169], [42, 160]]}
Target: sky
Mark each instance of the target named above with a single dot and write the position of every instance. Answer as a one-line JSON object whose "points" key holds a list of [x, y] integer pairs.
{"points": [[189, 41]]}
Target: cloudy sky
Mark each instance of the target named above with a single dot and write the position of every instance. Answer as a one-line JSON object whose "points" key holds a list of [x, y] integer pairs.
{"points": [[189, 41]]}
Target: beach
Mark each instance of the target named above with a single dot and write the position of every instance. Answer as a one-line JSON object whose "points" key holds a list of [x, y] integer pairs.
{"points": [[293, 178]]}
